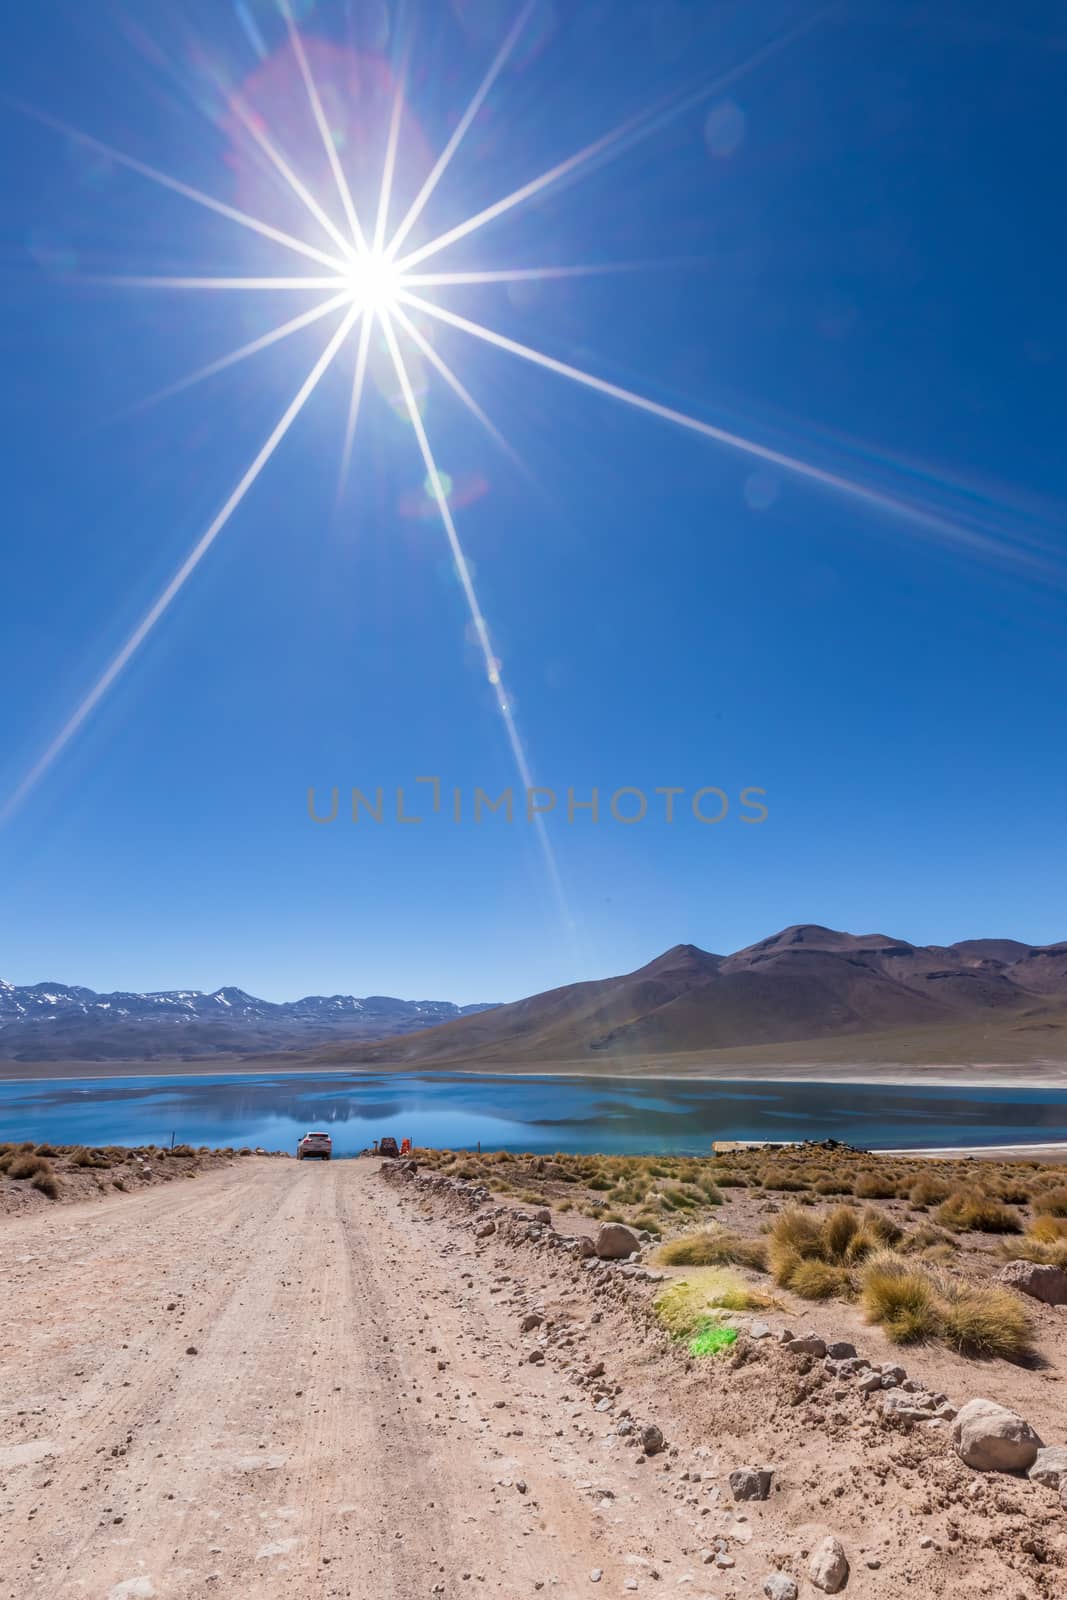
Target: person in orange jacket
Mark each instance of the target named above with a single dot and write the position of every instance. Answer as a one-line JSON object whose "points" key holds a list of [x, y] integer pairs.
{"points": [[405, 1147]]}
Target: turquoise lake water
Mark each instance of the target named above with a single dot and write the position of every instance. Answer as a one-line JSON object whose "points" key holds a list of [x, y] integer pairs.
{"points": [[519, 1113]]}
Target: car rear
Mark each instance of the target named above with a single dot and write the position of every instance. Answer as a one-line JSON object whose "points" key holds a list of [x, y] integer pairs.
{"points": [[315, 1144]]}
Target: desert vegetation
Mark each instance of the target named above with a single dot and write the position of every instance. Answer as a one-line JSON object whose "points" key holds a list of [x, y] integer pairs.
{"points": [[78, 1172], [914, 1244]]}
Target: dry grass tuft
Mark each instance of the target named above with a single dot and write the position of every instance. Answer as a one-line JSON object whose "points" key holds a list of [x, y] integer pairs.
{"points": [[1053, 1202], [27, 1166], [971, 1210], [913, 1304], [901, 1298], [714, 1247]]}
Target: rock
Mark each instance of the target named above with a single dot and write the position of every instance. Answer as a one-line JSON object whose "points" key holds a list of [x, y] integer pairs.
{"points": [[651, 1440], [809, 1345], [191, 1350], [750, 1483], [828, 1568], [596, 1575], [615, 1241], [532, 1319], [841, 1350], [990, 1438], [900, 1405], [1045, 1283], [542, 1215], [870, 1383], [586, 1247], [536, 1356], [1050, 1467], [785, 1335], [779, 1586], [484, 1229], [758, 1330]]}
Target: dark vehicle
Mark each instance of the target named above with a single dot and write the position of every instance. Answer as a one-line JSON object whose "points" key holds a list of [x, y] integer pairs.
{"points": [[315, 1144], [387, 1147]]}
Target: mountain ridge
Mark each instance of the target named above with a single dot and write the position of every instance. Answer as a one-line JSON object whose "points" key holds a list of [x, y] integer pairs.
{"points": [[53, 1021], [805, 983], [802, 985]]}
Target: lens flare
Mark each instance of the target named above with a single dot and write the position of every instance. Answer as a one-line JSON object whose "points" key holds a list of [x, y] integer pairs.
{"points": [[328, 135]]}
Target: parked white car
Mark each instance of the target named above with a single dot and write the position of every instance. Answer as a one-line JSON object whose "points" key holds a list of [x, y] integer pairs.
{"points": [[315, 1144]]}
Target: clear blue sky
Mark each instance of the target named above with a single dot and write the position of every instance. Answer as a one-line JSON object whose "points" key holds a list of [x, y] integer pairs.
{"points": [[862, 245]]}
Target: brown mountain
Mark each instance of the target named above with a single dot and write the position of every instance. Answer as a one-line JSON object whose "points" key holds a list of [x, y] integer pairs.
{"points": [[806, 983]]}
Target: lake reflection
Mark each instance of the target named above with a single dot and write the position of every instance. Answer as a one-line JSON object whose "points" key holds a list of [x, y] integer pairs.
{"points": [[519, 1113]]}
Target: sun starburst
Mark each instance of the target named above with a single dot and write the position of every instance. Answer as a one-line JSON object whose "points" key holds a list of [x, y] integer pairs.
{"points": [[370, 278]]}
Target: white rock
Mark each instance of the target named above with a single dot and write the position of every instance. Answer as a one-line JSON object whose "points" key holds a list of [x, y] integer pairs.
{"points": [[615, 1241], [1050, 1468], [1041, 1282], [990, 1438], [828, 1568]]}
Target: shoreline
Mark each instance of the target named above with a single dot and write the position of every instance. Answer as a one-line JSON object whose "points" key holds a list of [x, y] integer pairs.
{"points": [[992, 1075]]}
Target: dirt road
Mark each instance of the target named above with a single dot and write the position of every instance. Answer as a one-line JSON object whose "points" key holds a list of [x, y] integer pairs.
{"points": [[278, 1381]]}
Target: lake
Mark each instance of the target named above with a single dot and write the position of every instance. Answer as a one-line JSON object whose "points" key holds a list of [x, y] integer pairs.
{"points": [[458, 1110]]}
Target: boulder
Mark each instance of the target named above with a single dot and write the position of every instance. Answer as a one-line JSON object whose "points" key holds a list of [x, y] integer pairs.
{"points": [[651, 1440], [615, 1241], [780, 1586], [828, 1568], [990, 1438], [750, 1483], [586, 1247], [1050, 1466], [1048, 1284], [484, 1229], [841, 1350]]}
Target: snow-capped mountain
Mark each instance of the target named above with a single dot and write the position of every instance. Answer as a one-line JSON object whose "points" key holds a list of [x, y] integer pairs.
{"points": [[62, 1021]]}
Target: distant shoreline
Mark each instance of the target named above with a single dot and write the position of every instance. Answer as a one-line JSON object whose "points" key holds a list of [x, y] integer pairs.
{"points": [[987, 1075]]}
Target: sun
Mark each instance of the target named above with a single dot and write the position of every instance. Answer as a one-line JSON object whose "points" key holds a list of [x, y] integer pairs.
{"points": [[372, 280], [375, 283]]}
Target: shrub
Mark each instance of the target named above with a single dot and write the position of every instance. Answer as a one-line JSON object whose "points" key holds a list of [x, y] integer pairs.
{"points": [[899, 1297], [46, 1150], [47, 1183], [714, 1247], [968, 1210], [980, 1320], [875, 1186], [1053, 1202], [838, 1185], [1014, 1193], [928, 1191], [728, 1179], [27, 1166], [912, 1304], [814, 1256], [818, 1280], [783, 1178]]}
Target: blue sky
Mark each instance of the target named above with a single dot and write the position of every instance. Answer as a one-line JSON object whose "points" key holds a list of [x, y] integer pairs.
{"points": [[855, 258]]}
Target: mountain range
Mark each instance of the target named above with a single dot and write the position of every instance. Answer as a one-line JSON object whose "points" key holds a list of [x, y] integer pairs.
{"points": [[789, 993], [59, 1021], [802, 992]]}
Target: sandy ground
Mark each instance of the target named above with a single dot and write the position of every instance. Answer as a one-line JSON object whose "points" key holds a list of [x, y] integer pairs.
{"points": [[303, 1381], [356, 1419]]}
